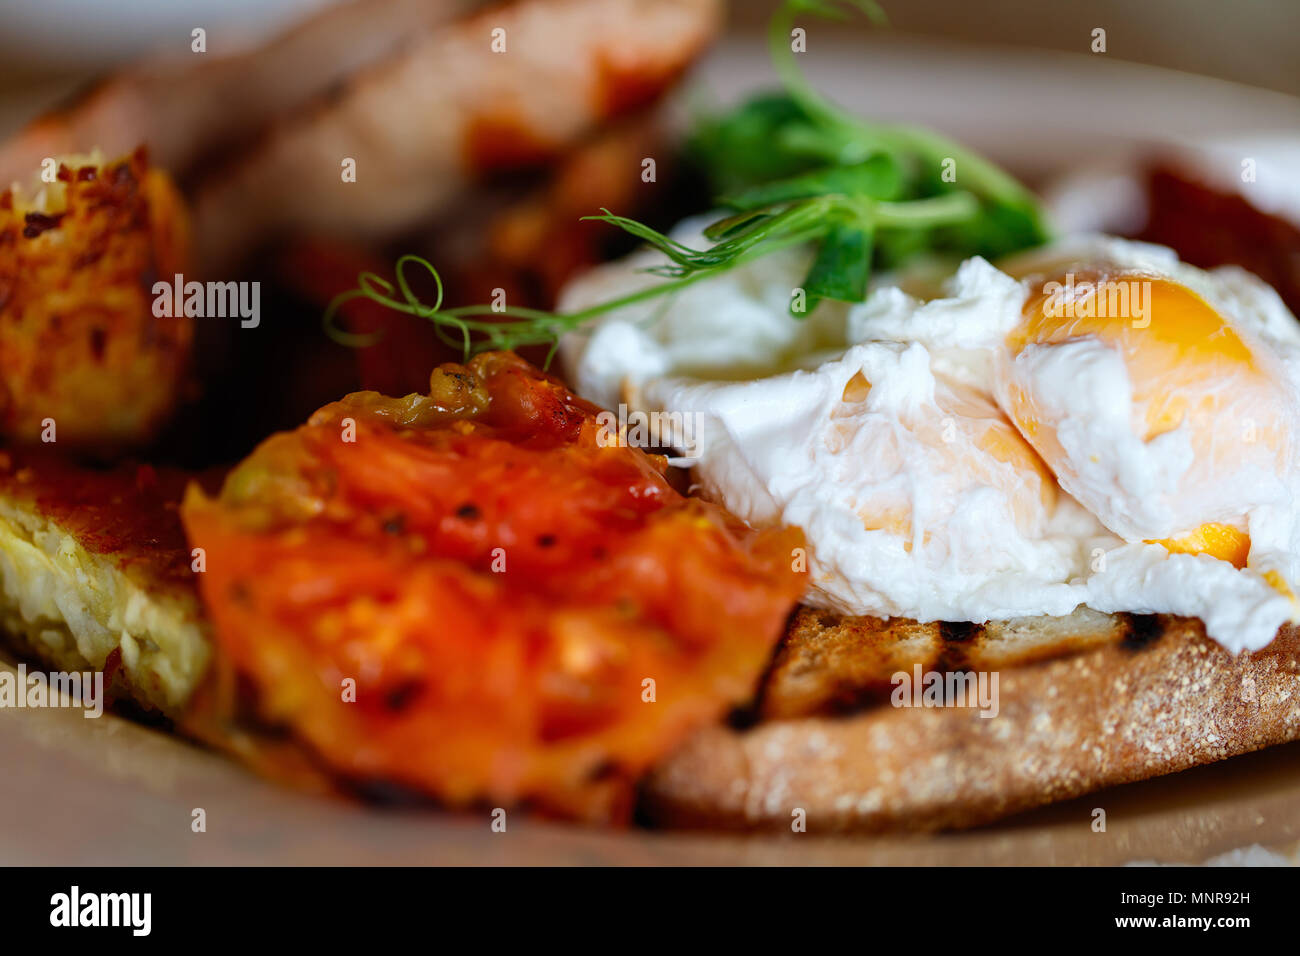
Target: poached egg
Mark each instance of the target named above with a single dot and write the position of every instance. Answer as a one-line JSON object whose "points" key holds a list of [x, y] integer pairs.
{"points": [[1093, 422]]}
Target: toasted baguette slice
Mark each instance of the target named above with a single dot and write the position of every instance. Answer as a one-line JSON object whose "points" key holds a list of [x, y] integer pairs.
{"points": [[95, 574], [1084, 702]]}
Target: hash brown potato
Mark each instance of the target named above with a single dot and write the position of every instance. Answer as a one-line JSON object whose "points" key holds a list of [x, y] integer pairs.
{"points": [[95, 574], [79, 342]]}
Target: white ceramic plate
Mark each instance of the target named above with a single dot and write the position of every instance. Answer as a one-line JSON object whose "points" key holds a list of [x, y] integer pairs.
{"points": [[110, 791]]}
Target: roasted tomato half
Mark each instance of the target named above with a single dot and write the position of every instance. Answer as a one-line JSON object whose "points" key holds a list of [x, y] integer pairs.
{"points": [[470, 593]]}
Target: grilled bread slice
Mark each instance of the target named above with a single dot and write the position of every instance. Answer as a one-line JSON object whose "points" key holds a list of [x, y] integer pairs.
{"points": [[1083, 702], [95, 574]]}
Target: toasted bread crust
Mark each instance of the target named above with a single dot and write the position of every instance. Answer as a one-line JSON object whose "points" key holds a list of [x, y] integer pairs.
{"points": [[1085, 702]]}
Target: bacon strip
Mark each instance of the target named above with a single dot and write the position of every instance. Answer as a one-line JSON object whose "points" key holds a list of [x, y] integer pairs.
{"points": [[187, 104], [424, 125]]}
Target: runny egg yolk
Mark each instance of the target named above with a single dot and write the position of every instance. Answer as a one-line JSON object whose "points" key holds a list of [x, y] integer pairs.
{"points": [[1217, 540], [1185, 364], [1173, 342], [967, 442]]}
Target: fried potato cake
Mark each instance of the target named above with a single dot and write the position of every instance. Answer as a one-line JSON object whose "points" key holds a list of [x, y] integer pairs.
{"points": [[473, 595], [95, 574], [83, 359]]}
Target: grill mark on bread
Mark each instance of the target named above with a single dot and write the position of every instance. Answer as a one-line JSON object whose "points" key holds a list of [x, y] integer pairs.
{"points": [[960, 632], [833, 666], [1141, 631], [961, 643]]}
